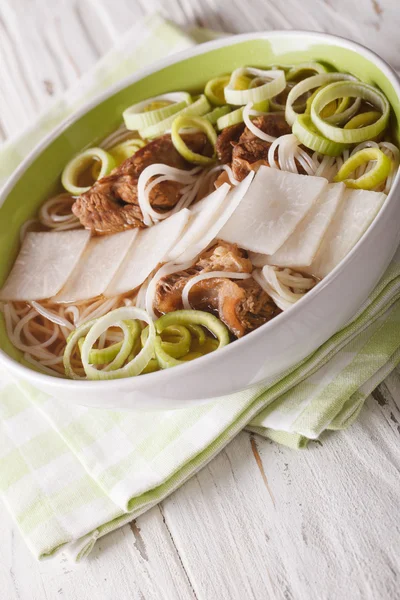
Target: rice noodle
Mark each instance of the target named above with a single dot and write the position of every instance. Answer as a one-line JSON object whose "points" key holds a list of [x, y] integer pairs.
{"points": [[164, 173], [247, 113], [289, 151], [74, 311], [394, 154], [50, 315], [209, 275], [140, 301], [284, 286], [167, 269], [41, 331], [97, 309], [116, 137], [56, 213]]}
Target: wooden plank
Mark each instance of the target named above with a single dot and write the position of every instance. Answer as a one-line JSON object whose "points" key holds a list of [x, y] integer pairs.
{"points": [[320, 523], [138, 561]]}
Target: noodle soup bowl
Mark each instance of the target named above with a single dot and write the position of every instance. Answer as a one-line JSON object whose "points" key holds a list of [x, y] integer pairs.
{"points": [[279, 344]]}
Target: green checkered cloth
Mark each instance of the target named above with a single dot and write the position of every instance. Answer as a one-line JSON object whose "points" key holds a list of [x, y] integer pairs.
{"points": [[69, 474]]}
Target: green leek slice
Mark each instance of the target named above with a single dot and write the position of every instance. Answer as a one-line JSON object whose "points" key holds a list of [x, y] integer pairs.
{"points": [[214, 90], [187, 318], [198, 332], [179, 343], [236, 116], [310, 137], [126, 149], [107, 355], [297, 70], [316, 81], [186, 122], [363, 119], [275, 83], [80, 163], [195, 317], [216, 114], [379, 172], [355, 89], [153, 110], [199, 107], [114, 318]]}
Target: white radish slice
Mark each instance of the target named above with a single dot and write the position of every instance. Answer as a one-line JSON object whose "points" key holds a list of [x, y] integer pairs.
{"points": [[148, 250], [358, 210], [97, 266], [227, 209], [272, 208], [203, 215], [301, 247], [44, 264], [258, 260]]}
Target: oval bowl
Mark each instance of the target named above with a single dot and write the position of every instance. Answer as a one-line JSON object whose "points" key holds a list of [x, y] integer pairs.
{"points": [[279, 344]]}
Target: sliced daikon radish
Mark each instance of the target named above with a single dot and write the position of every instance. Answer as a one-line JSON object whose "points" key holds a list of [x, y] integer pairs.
{"points": [[203, 215], [150, 248], [301, 247], [45, 262], [227, 208], [272, 208], [258, 260], [97, 266], [354, 216]]}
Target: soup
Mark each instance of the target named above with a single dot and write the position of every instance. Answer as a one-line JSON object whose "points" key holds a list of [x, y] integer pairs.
{"points": [[199, 220]]}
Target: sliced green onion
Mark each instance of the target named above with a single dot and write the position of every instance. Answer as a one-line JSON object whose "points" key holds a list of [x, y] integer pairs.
{"points": [[214, 90], [120, 152], [192, 319], [165, 361], [126, 149], [236, 116], [379, 172], [297, 70], [306, 85], [116, 318], [151, 367], [177, 348], [340, 116], [353, 89], [197, 331], [277, 106], [153, 110], [72, 341], [80, 163], [104, 356], [191, 356], [216, 114], [197, 108], [195, 317], [363, 119], [184, 122], [310, 137], [275, 83]]}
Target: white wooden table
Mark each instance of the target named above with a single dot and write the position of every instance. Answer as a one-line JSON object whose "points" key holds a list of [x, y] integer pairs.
{"points": [[261, 521]]}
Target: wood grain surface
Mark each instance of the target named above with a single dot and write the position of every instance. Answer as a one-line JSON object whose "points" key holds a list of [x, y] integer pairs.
{"points": [[260, 522]]}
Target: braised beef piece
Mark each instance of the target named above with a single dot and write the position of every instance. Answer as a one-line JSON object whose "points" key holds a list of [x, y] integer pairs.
{"points": [[250, 152], [225, 141], [241, 304], [111, 204]]}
